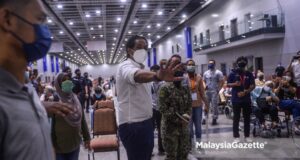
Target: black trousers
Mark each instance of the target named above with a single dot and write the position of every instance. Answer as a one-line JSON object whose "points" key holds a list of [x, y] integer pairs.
{"points": [[237, 107], [87, 103], [260, 113], [138, 139], [157, 124]]}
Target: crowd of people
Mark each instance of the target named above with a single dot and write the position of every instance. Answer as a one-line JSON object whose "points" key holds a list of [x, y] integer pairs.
{"points": [[171, 97]]}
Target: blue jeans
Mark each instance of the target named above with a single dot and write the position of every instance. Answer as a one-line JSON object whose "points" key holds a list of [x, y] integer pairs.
{"points": [[68, 156], [196, 120], [290, 105], [138, 139]]}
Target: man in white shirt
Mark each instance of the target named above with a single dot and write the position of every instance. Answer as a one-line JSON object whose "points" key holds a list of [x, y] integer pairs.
{"points": [[134, 98], [295, 68]]}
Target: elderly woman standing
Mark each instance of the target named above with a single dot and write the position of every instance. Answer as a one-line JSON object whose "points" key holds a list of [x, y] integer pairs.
{"points": [[67, 131]]}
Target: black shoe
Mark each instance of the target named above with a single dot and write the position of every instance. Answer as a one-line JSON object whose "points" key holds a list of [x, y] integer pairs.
{"points": [[214, 122], [203, 122]]}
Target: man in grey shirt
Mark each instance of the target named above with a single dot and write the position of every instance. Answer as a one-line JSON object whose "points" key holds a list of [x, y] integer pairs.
{"points": [[214, 81], [24, 125]]}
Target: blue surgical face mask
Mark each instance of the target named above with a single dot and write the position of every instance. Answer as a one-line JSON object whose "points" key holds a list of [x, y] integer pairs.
{"points": [[211, 66], [40, 47], [98, 95]]}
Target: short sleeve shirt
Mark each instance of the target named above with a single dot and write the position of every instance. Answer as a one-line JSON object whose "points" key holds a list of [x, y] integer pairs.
{"points": [[246, 79], [78, 85], [135, 102], [212, 79]]}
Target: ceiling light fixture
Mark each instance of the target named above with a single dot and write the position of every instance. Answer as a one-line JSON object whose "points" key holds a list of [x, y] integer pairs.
{"points": [[119, 19], [59, 6], [61, 32], [129, 32], [183, 16], [160, 13], [99, 26], [215, 15], [149, 26], [49, 21], [98, 11], [71, 23], [116, 30], [92, 28], [158, 25], [101, 35], [144, 5], [87, 15], [135, 22]]}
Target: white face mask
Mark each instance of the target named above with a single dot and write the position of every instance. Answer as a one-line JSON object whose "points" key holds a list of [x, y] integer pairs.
{"points": [[140, 56]]}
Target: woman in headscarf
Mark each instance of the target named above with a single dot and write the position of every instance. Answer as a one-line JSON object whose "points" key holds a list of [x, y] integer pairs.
{"points": [[67, 132]]}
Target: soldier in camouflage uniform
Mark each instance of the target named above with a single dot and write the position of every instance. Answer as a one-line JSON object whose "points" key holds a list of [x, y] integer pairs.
{"points": [[175, 98]]}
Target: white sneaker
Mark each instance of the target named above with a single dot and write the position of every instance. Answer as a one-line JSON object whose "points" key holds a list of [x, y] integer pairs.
{"points": [[236, 140], [248, 140]]}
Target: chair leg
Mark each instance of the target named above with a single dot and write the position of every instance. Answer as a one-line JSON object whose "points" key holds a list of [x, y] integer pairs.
{"points": [[118, 151], [88, 156], [93, 156], [288, 127]]}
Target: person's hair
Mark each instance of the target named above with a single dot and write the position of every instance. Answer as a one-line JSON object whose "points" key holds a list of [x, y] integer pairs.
{"points": [[176, 56], [298, 53], [242, 58], [155, 68], [131, 42], [16, 5], [190, 60], [98, 89], [85, 73], [65, 70], [212, 61], [77, 70]]}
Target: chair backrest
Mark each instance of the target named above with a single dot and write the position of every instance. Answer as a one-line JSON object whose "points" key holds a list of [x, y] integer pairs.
{"points": [[106, 104], [105, 120]]}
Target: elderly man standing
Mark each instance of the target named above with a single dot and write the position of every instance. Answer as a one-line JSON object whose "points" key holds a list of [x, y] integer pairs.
{"points": [[134, 98]]}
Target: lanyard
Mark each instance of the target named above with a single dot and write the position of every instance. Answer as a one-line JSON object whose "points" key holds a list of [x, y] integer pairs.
{"points": [[242, 78]]}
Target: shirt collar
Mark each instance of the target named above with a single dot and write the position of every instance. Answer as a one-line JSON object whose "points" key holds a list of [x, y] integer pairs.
{"points": [[9, 82]]}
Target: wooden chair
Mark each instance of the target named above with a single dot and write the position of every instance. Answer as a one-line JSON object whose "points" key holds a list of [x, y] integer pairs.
{"points": [[105, 135]]}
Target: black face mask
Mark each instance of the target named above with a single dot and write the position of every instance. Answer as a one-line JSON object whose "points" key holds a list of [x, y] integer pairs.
{"points": [[178, 74], [242, 65], [261, 78], [78, 74], [70, 75], [85, 76]]}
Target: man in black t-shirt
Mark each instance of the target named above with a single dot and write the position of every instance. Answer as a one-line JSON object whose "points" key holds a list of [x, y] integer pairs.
{"points": [[87, 90], [78, 88]]}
